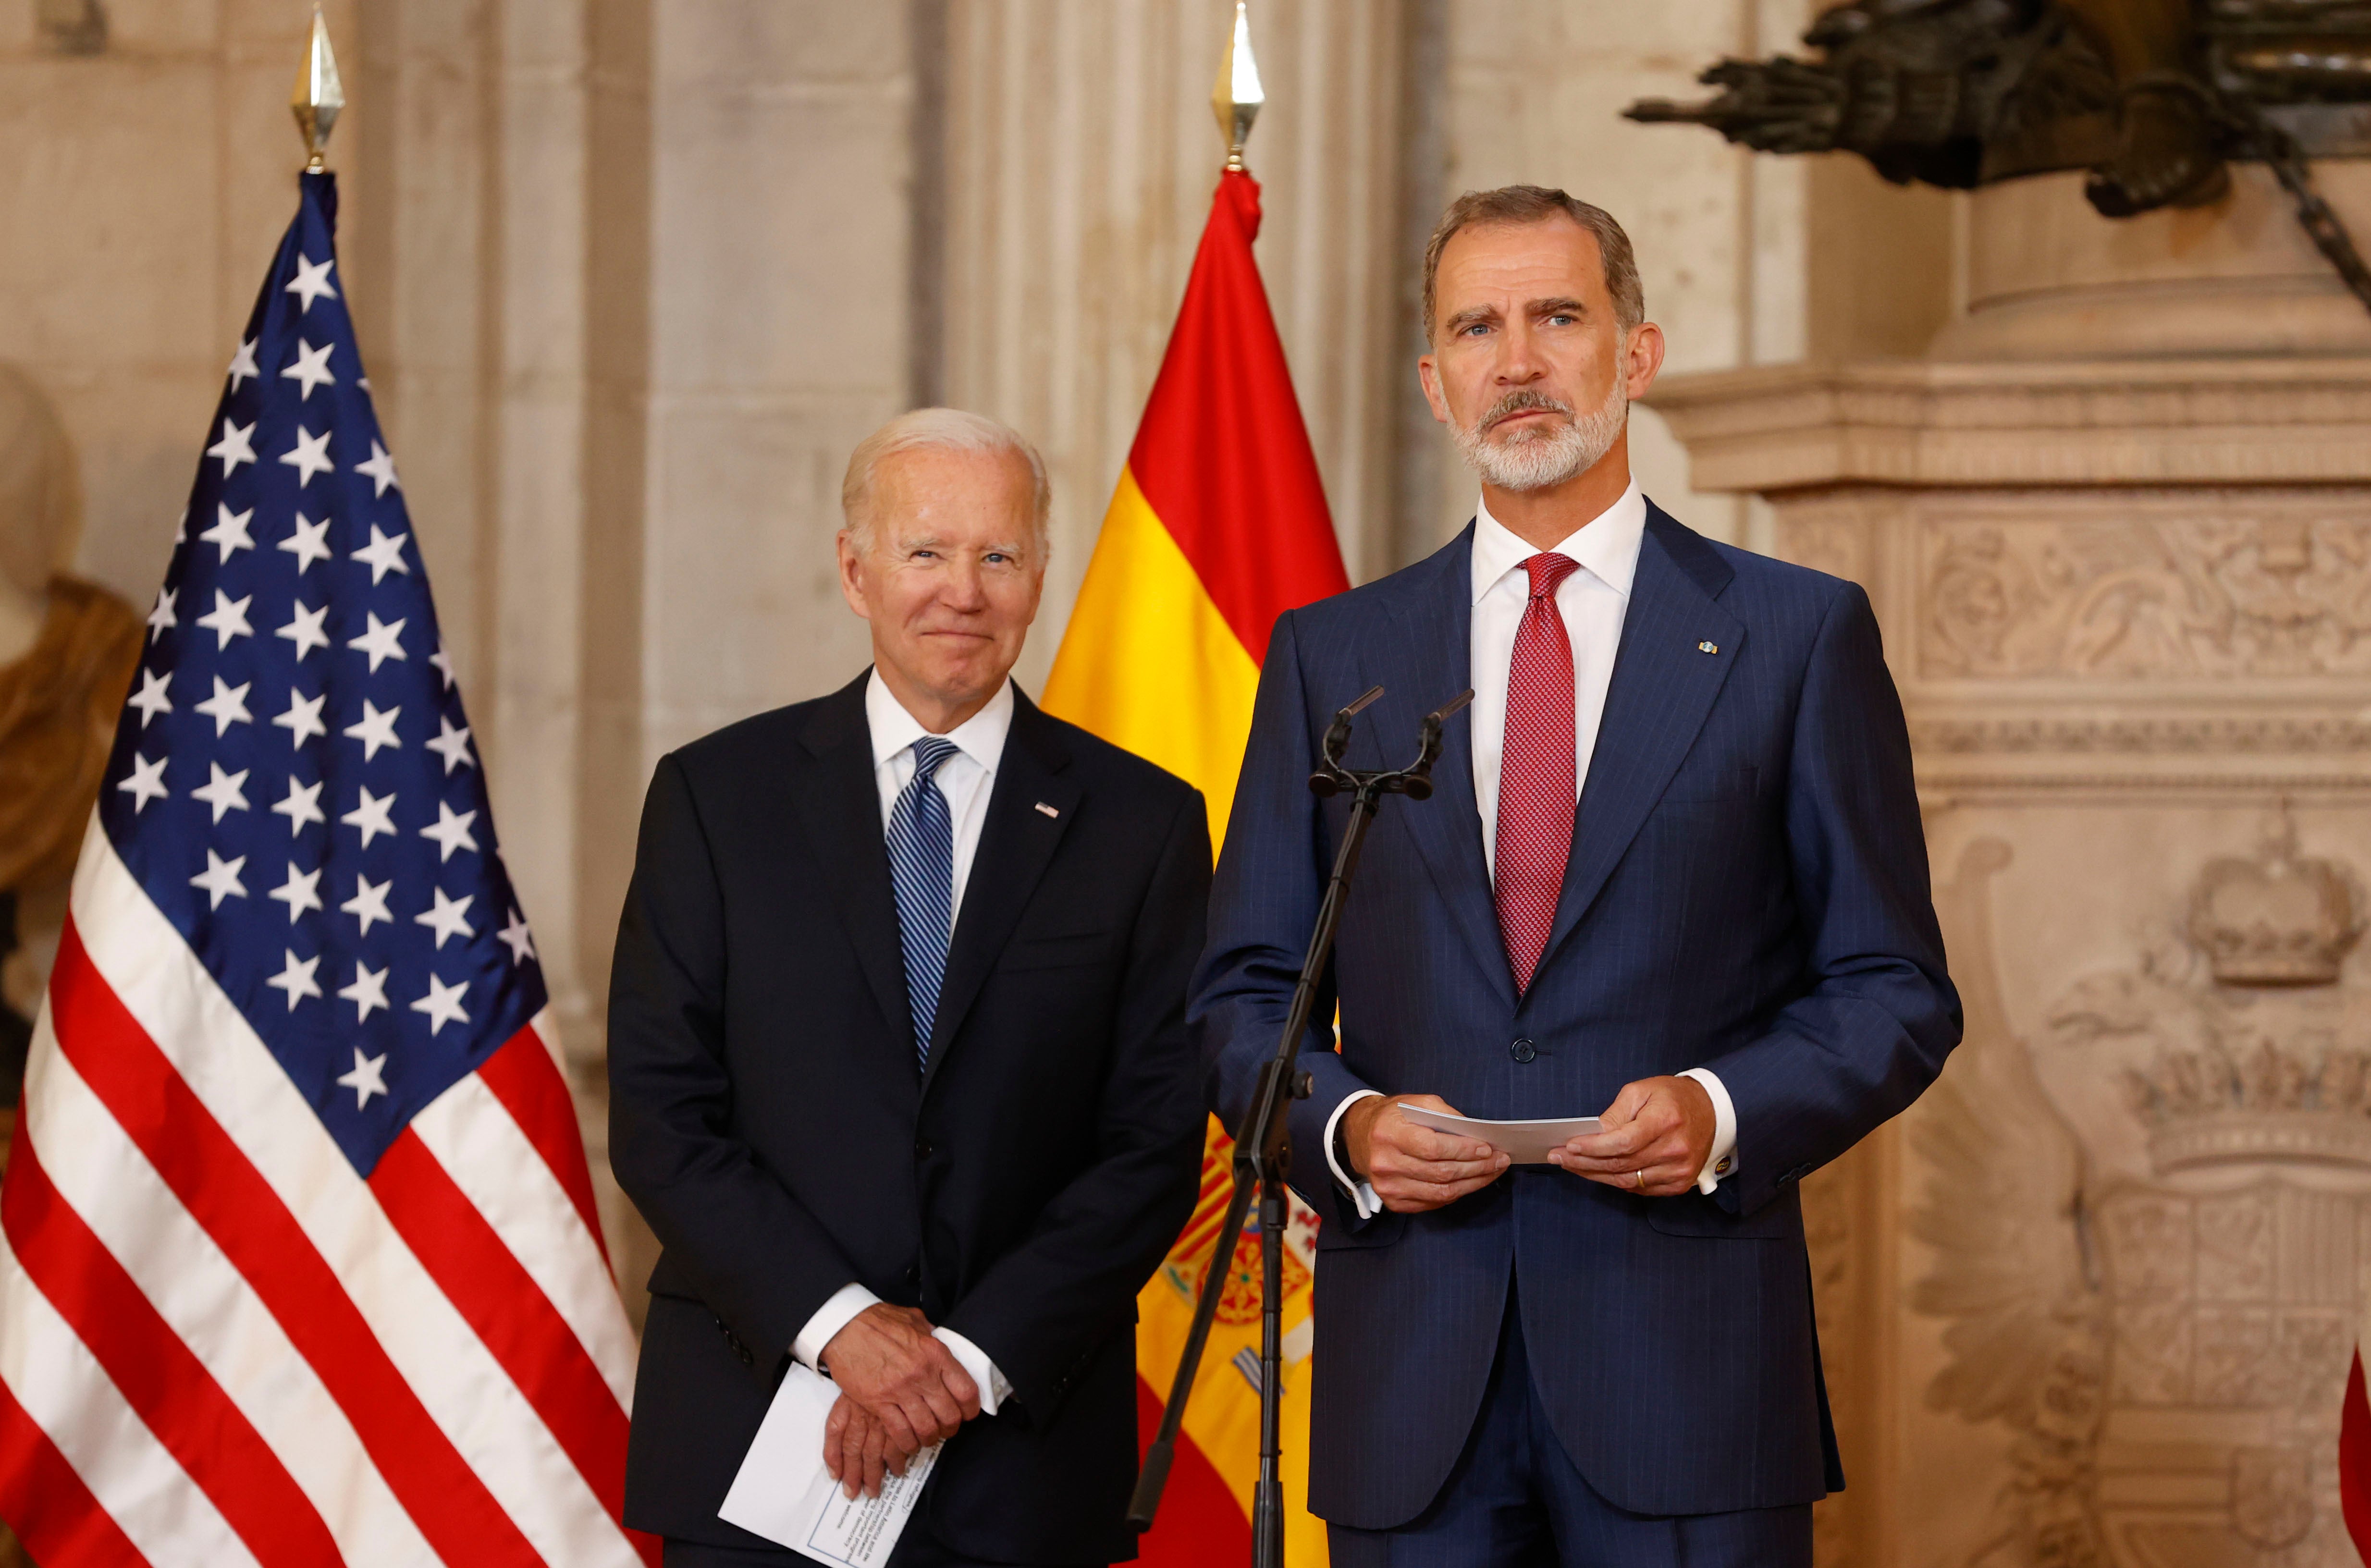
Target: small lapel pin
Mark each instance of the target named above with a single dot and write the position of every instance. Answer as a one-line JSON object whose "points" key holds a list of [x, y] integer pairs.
{"points": [[1706, 648], [1047, 809]]}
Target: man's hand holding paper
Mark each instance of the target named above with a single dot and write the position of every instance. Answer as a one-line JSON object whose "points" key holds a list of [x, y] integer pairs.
{"points": [[1412, 1167], [1657, 1134], [1655, 1138], [900, 1392]]}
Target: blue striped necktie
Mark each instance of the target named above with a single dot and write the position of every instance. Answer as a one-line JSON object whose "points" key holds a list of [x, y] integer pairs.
{"points": [[922, 868]]}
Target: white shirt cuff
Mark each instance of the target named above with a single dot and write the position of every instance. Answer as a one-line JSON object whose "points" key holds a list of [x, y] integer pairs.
{"points": [[993, 1388], [1722, 1160], [830, 1317], [850, 1299], [1361, 1193]]}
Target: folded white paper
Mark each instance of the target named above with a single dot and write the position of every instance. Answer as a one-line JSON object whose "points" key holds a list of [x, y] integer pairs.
{"points": [[782, 1491], [1525, 1143]]}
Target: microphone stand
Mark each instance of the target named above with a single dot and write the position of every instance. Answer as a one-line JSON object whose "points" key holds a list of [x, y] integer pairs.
{"points": [[1263, 1145]]}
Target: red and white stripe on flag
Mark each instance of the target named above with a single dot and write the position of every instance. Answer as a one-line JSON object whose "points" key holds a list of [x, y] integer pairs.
{"points": [[219, 1345]]}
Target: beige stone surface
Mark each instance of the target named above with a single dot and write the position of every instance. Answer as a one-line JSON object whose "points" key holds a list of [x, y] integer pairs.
{"points": [[136, 215], [2048, 278], [2090, 1300]]}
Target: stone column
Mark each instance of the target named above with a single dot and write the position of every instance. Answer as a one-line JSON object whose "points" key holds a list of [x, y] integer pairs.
{"points": [[503, 263], [2092, 1299], [634, 284], [1079, 155], [747, 298]]}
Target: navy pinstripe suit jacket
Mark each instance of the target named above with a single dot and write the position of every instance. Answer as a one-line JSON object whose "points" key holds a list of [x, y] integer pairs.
{"points": [[1747, 891]]}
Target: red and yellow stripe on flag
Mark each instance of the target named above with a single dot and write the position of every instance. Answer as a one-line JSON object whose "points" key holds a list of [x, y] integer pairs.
{"points": [[1218, 525]]}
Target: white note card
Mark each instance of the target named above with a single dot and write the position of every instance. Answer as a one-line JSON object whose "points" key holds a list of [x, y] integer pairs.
{"points": [[1525, 1143], [782, 1491]]}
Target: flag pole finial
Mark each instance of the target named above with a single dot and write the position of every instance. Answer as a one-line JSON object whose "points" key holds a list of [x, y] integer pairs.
{"points": [[319, 95], [1237, 100]]}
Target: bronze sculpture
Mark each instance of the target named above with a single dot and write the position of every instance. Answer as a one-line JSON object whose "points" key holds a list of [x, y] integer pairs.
{"points": [[2153, 98], [67, 651]]}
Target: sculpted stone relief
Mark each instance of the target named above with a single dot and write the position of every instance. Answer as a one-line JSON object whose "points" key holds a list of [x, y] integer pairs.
{"points": [[2268, 735], [2151, 1223], [2272, 594]]}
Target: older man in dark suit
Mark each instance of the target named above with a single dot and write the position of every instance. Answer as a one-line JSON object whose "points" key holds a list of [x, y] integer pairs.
{"points": [[898, 1062], [1673, 872]]}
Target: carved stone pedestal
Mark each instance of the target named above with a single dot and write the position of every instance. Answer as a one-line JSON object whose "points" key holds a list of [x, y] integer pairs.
{"points": [[2091, 1301]]}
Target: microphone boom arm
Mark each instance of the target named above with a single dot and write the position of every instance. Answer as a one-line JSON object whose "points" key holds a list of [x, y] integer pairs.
{"points": [[1263, 1160]]}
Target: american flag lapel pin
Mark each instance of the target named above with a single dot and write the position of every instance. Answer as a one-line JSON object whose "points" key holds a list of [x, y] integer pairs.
{"points": [[1050, 811]]}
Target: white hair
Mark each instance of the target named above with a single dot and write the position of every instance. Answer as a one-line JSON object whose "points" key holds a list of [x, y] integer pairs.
{"points": [[939, 430], [1530, 458]]}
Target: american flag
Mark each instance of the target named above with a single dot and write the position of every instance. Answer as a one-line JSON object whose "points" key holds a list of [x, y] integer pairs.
{"points": [[298, 1255]]}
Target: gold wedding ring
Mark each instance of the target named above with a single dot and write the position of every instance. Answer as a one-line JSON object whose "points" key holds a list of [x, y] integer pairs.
{"points": [[1640, 1177]]}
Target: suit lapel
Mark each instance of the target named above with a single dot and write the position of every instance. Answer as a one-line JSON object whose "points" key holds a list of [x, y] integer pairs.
{"points": [[840, 806], [1438, 619], [1663, 687], [1016, 843]]}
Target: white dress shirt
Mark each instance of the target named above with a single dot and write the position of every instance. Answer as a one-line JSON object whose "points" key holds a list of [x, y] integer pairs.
{"points": [[967, 779], [1592, 602]]}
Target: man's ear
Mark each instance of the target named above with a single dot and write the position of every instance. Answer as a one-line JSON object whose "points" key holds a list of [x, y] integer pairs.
{"points": [[852, 585], [1428, 375], [1642, 359]]}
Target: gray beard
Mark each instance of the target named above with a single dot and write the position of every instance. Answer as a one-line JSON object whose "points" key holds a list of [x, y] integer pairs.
{"points": [[1532, 458]]}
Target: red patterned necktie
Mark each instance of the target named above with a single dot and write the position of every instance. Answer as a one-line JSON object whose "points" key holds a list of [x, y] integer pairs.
{"points": [[1536, 786]]}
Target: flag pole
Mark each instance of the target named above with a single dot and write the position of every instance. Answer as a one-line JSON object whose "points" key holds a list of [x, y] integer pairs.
{"points": [[1237, 97], [1263, 1151], [320, 95]]}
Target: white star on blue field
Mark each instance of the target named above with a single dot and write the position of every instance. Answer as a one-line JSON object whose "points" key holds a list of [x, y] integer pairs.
{"points": [[294, 782]]}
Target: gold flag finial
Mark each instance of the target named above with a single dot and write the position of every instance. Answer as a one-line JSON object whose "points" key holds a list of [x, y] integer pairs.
{"points": [[1237, 100], [318, 96]]}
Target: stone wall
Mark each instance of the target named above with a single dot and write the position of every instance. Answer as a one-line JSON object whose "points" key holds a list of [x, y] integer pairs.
{"points": [[2091, 1300]]}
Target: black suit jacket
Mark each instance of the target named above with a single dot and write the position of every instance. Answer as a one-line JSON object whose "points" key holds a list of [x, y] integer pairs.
{"points": [[768, 1117]]}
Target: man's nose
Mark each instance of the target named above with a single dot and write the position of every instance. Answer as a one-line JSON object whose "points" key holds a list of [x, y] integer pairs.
{"points": [[967, 587], [1519, 361]]}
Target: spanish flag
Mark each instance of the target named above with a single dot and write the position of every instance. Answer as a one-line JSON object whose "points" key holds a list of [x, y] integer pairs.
{"points": [[1219, 526]]}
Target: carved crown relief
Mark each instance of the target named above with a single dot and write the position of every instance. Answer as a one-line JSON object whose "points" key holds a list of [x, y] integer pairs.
{"points": [[2274, 919], [2128, 598], [2151, 1224]]}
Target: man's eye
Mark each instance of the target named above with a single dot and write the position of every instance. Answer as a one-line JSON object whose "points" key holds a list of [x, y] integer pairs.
{"points": [[1562, 318], [1471, 327]]}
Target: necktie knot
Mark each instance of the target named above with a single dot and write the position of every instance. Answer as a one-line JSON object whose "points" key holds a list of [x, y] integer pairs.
{"points": [[929, 752], [1547, 571]]}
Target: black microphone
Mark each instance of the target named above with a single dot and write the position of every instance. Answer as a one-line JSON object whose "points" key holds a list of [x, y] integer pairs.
{"points": [[1327, 782], [1418, 783]]}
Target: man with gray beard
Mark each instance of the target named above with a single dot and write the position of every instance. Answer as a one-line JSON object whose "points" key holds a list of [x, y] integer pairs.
{"points": [[1673, 876]]}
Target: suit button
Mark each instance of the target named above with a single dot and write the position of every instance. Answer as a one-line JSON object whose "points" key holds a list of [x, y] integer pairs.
{"points": [[1522, 1050], [914, 1273], [921, 1149]]}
